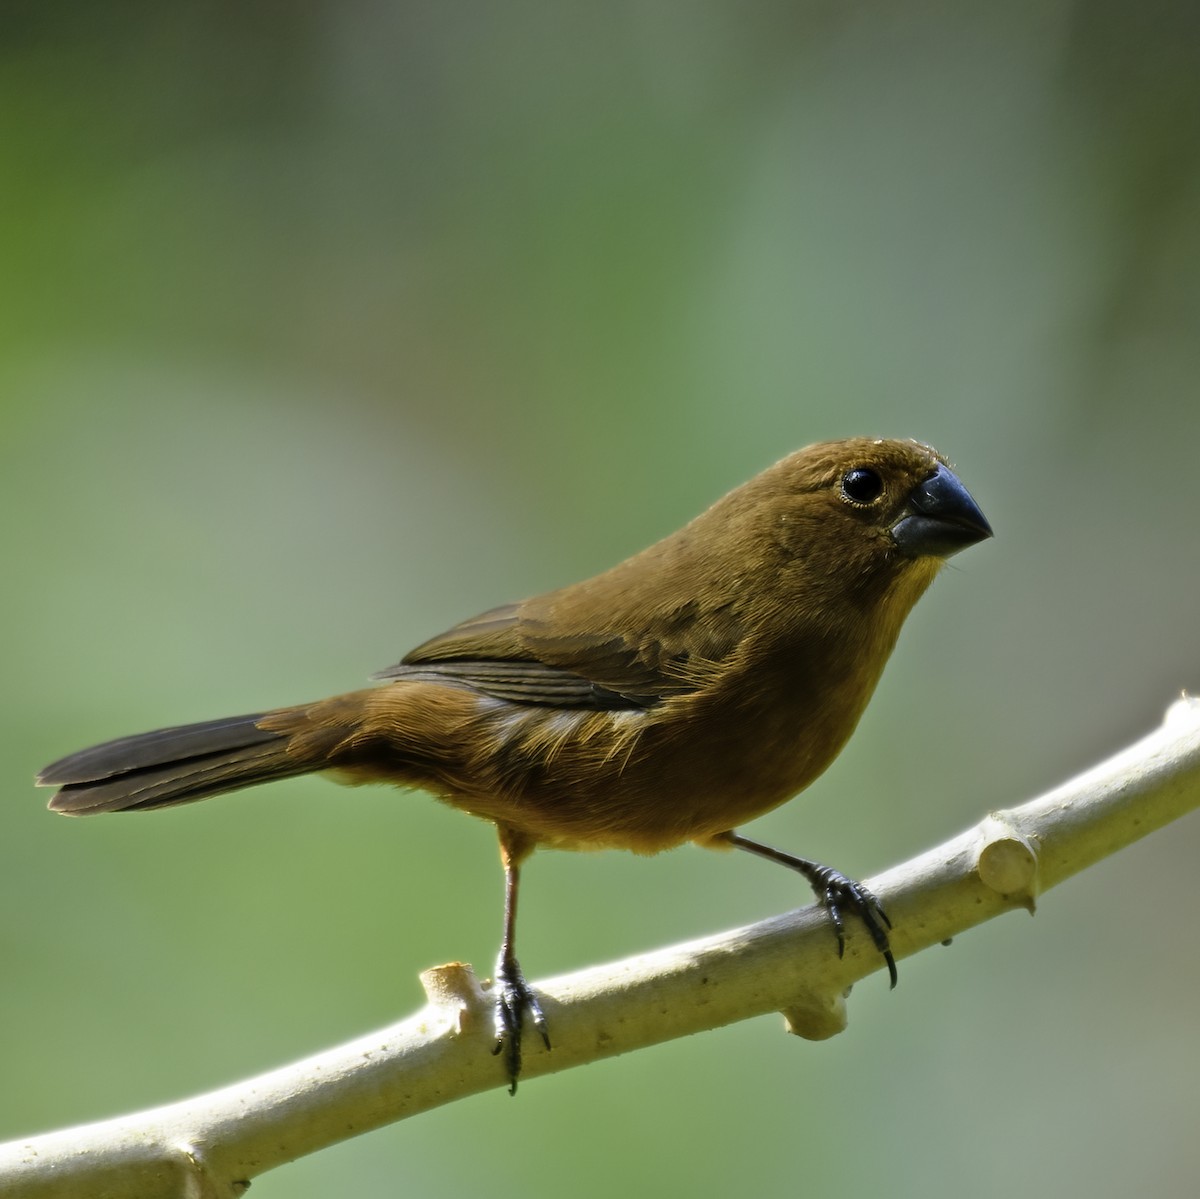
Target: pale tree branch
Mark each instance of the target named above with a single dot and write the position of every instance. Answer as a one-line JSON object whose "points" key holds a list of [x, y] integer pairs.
{"points": [[211, 1146]]}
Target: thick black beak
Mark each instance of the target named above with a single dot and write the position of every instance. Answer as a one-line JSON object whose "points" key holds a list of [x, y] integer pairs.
{"points": [[940, 518]]}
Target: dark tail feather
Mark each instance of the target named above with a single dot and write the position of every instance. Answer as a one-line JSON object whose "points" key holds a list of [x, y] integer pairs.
{"points": [[171, 766]]}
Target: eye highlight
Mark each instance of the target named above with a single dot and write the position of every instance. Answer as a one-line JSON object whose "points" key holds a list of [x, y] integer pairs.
{"points": [[862, 485]]}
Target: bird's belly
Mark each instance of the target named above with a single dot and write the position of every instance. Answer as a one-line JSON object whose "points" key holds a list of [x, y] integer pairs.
{"points": [[625, 780]]}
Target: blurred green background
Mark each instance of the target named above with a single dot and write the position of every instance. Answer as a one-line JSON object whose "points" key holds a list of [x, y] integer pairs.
{"points": [[324, 325]]}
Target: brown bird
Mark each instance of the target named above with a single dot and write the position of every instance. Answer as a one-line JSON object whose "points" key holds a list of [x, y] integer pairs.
{"points": [[692, 687]]}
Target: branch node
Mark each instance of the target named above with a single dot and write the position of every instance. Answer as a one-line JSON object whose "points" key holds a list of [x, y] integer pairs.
{"points": [[1183, 711], [199, 1181], [1007, 861], [817, 1016], [455, 992]]}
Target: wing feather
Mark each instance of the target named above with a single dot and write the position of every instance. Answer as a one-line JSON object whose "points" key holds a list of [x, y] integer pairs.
{"points": [[511, 654]]}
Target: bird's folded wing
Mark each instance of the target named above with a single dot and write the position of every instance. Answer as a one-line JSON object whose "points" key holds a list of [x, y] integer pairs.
{"points": [[510, 653]]}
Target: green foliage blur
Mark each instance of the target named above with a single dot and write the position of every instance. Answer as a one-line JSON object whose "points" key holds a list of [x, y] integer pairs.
{"points": [[323, 326]]}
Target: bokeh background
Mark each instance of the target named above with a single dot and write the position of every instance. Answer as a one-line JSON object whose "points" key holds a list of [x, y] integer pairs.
{"points": [[325, 325]]}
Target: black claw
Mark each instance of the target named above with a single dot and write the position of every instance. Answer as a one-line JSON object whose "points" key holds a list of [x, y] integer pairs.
{"points": [[830, 900], [837, 891], [834, 891], [515, 1001]]}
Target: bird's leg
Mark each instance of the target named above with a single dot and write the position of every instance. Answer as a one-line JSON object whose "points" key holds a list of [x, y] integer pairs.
{"points": [[834, 890], [514, 997]]}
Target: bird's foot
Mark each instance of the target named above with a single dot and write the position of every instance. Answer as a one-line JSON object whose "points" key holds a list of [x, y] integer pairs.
{"points": [[837, 892], [514, 1001]]}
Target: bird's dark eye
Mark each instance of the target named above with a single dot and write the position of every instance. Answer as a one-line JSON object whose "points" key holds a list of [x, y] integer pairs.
{"points": [[862, 485]]}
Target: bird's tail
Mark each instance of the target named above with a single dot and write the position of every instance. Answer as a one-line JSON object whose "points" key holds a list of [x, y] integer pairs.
{"points": [[195, 761]]}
